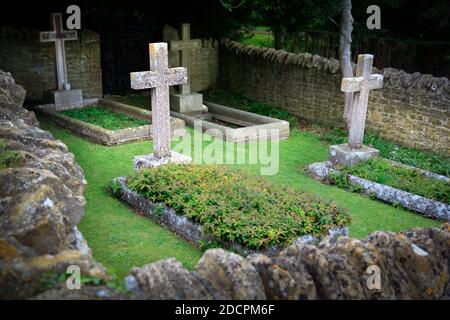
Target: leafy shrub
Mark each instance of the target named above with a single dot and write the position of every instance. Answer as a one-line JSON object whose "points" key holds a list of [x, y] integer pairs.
{"points": [[406, 179], [104, 118], [237, 206], [115, 188], [413, 157]]}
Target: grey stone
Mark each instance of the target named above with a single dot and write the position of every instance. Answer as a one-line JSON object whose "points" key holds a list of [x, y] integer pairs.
{"points": [[187, 103], [58, 35], [344, 155], [65, 99], [230, 276], [158, 79], [360, 87], [151, 161], [251, 126], [167, 280]]}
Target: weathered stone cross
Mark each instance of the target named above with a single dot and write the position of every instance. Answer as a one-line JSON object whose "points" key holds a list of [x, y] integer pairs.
{"points": [[58, 36], [184, 45], [158, 79], [360, 85]]}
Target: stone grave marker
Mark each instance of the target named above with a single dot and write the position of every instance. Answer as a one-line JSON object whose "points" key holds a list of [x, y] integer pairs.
{"points": [[158, 79], [186, 101], [354, 151], [63, 97]]}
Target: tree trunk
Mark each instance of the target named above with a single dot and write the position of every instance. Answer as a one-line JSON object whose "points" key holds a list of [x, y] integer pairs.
{"points": [[345, 54], [277, 39]]}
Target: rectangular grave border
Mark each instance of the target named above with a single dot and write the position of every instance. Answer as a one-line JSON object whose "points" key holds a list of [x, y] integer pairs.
{"points": [[102, 135], [321, 171], [192, 231], [252, 123]]}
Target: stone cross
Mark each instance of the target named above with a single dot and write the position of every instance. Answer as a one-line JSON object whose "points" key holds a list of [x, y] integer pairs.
{"points": [[58, 36], [360, 86], [184, 45], [158, 79]]}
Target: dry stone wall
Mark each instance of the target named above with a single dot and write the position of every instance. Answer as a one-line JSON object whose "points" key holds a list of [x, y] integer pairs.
{"points": [[41, 202], [411, 109]]}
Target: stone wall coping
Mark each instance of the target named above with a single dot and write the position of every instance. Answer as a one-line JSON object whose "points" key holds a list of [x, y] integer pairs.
{"points": [[413, 83]]}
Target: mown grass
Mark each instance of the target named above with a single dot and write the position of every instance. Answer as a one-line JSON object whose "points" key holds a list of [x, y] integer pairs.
{"points": [[104, 118], [121, 239]]}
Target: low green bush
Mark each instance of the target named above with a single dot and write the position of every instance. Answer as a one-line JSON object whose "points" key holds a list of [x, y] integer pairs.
{"points": [[410, 180], [104, 118], [413, 157], [237, 206]]}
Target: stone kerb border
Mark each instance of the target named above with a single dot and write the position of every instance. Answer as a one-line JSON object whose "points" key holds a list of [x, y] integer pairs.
{"points": [[431, 208], [193, 233], [414, 84], [105, 136], [255, 126]]}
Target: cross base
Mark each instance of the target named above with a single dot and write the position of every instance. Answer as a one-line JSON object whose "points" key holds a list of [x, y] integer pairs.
{"points": [[149, 160], [65, 99], [343, 155], [187, 103]]}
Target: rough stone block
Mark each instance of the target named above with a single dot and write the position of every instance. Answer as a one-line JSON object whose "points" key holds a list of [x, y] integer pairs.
{"points": [[65, 99], [187, 103], [150, 161], [343, 155]]}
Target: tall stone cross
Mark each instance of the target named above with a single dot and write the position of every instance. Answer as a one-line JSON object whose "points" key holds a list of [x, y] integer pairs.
{"points": [[184, 45], [58, 35], [158, 79], [360, 86]]}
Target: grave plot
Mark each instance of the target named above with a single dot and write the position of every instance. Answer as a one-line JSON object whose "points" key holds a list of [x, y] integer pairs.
{"points": [[263, 218], [235, 125], [418, 190], [360, 168], [106, 122]]}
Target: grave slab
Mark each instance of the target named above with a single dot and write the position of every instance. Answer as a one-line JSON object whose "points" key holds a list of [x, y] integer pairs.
{"points": [[151, 161], [65, 99], [187, 103], [344, 155]]}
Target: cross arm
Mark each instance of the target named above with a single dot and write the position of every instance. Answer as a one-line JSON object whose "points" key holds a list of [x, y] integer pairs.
{"points": [[354, 84], [143, 80], [177, 45], [176, 76], [150, 79]]}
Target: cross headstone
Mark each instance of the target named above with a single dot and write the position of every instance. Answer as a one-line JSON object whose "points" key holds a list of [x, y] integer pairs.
{"points": [[360, 86], [158, 79], [58, 35], [184, 46]]}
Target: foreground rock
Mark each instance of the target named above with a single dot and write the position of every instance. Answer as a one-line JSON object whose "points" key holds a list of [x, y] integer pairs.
{"points": [[413, 265], [41, 202]]}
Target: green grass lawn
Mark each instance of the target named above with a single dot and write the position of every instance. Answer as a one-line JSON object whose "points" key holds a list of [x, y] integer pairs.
{"points": [[259, 40], [121, 239]]}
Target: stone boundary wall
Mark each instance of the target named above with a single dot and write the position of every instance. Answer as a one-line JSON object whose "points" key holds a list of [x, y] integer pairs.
{"points": [[411, 109], [32, 63], [41, 202]]}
